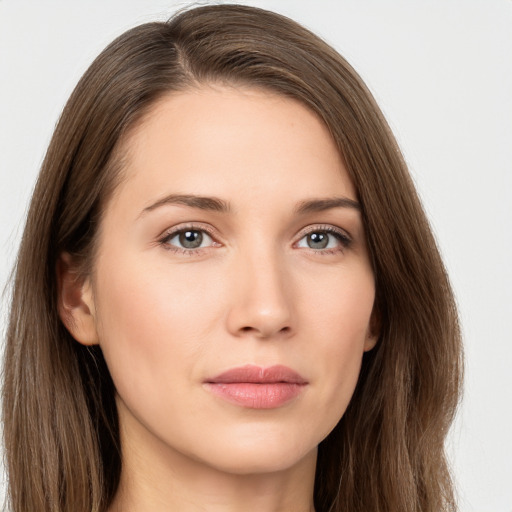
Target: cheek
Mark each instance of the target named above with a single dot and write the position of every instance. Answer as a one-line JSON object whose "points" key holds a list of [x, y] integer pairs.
{"points": [[340, 317], [152, 323], [338, 306], [161, 325]]}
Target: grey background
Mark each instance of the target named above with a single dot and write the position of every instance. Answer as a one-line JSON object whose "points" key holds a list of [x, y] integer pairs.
{"points": [[441, 71]]}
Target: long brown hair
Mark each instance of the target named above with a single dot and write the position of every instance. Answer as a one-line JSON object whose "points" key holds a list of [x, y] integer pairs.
{"points": [[60, 421]]}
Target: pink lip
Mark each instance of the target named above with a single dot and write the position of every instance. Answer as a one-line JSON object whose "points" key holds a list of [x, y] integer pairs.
{"points": [[256, 387]]}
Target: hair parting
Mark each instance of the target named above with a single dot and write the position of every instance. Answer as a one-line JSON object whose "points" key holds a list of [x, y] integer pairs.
{"points": [[61, 429]]}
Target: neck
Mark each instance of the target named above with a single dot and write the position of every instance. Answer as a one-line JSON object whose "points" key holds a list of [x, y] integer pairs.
{"points": [[162, 479]]}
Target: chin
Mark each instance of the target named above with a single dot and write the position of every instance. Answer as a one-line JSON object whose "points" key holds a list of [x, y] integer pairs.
{"points": [[260, 455]]}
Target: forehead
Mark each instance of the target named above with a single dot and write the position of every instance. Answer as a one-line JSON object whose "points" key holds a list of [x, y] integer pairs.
{"points": [[218, 140]]}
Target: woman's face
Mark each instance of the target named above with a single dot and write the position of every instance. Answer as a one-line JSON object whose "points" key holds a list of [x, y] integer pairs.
{"points": [[232, 290]]}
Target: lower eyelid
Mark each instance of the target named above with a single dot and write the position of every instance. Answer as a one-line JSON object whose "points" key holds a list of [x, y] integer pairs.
{"points": [[169, 235], [344, 240]]}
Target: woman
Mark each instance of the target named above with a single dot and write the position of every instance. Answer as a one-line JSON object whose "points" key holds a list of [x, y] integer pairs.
{"points": [[241, 304]]}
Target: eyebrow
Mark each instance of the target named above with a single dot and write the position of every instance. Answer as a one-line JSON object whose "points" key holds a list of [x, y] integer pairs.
{"points": [[320, 205], [219, 205], [201, 202]]}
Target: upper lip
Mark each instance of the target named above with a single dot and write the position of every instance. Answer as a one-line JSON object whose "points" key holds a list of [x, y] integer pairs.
{"points": [[259, 375]]}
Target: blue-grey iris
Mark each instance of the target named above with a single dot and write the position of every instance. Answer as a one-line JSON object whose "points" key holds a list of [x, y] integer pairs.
{"points": [[191, 239]]}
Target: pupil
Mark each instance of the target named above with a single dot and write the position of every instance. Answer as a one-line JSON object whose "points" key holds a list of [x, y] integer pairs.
{"points": [[318, 240], [191, 239]]}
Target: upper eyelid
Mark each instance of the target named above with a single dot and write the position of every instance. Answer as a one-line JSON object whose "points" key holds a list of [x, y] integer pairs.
{"points": [[211, 231], [344, 239], [325, 227], [192, 226], [170, 233]]}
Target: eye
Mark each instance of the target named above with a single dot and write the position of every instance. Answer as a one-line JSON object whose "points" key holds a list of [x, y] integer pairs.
{"points": [[326, 239], [187, 239]]}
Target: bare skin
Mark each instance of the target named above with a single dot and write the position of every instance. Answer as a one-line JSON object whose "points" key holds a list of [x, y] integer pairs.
{"points": [[271, 269]]}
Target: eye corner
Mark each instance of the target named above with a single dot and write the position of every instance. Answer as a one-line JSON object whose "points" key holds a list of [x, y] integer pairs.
{"points": [[203, 234], [325, 244]]}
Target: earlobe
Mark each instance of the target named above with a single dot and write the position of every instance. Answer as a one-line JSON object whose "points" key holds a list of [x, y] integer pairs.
{"points": [[75, 302], [370, 342], [372, 336]]}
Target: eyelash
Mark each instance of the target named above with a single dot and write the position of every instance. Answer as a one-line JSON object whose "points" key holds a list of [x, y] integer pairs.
{"points": [[169, 235], [344, 240]]}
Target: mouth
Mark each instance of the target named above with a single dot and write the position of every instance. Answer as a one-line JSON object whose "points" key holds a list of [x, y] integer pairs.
{"points": [[255, 387]]}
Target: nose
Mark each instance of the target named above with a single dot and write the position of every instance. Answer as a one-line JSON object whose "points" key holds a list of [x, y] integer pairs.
{"points": [[261, 302]]}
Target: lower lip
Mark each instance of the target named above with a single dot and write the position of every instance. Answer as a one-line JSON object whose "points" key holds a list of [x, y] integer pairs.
{"points": [[254, 395]]}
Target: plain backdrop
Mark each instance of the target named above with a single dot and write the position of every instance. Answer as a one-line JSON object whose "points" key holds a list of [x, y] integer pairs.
{"points": [[442, 73]]}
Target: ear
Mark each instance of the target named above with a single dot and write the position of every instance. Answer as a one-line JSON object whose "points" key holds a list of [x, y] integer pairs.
{"points": [[75, 302], [374, 327]]}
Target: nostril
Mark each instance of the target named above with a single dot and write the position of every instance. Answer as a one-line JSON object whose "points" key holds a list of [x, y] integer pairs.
{"points": [[264, 333]]}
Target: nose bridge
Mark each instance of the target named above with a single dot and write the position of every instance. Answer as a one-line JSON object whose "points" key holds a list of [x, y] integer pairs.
{"points": [[262, 302]]}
